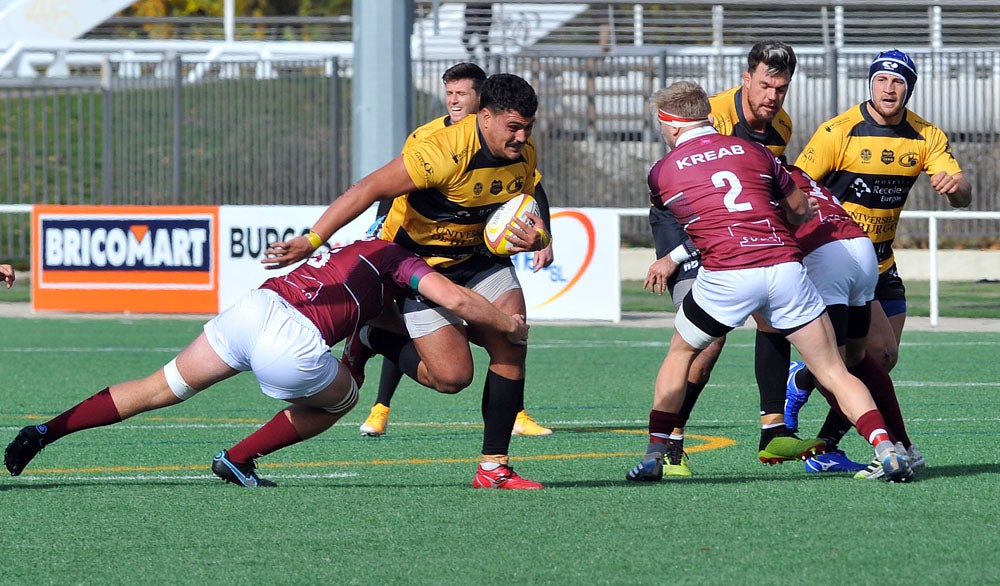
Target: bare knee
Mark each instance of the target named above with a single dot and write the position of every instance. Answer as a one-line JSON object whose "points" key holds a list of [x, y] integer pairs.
{"points": [[448, 380]]}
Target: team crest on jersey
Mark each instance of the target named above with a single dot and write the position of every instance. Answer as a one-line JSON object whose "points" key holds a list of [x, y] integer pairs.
{"points": [[908, 159], [496, 187], [477, 189], [515, 185], [866, 155], [888, 156]]}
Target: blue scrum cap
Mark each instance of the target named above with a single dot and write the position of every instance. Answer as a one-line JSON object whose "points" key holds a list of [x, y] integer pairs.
{"points": [[894, 62]]}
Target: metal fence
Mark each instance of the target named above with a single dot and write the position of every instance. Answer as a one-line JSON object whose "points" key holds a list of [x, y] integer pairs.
{"points": [[623, 23], [278, 132]]}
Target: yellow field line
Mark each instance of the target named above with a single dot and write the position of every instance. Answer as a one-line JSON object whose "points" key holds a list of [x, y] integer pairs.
{"points": [[710, 443]]}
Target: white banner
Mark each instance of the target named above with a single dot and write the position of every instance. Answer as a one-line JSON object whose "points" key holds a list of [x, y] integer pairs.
{"points": [[245, 231], [583, 282]]}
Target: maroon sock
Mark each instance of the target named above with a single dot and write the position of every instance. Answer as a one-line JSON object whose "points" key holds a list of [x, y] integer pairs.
{"points": [[878, 381], [274, 435], [97, 410], [661, 422], [871, 426]]}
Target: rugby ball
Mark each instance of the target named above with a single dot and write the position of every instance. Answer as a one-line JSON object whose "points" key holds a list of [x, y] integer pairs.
{"points": [[498, 224]]}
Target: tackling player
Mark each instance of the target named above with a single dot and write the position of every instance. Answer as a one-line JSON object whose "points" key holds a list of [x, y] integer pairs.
{"points": [[282, 332]]}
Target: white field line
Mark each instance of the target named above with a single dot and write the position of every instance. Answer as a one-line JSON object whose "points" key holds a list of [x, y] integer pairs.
{"points": [[172, 477], [551, 344]]}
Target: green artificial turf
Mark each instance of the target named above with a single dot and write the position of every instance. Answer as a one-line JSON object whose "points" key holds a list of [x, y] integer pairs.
{"points": [[136, 502]]}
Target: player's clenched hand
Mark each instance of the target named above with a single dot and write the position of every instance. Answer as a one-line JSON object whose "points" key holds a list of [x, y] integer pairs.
{"points": [[944, 183], [658, 273], [282, 254], [520, 334]]}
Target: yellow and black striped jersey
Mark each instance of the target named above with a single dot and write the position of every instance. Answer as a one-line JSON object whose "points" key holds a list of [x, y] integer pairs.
{"points": [[459, 183], [727, 110], [437, 124], [871, 168]]}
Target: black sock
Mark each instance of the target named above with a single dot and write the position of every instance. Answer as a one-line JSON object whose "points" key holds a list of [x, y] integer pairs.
{"points": [[691, 395], [769, 433], [834, 429], [388, 382], [501, 399], [805, 379], [771, 355], [398, 349]]}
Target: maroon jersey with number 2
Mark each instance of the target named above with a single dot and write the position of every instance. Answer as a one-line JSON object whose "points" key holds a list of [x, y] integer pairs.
{"points": [[724, 190]]}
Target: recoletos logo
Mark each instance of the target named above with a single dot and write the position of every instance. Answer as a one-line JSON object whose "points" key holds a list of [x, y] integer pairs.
{"points": [[136, 244]]}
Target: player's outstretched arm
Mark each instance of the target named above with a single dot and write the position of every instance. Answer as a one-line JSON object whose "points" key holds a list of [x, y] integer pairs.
{"points": [[472, 307], [391, 180]]}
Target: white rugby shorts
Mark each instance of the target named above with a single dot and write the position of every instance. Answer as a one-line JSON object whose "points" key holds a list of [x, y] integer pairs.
{"points": [[844, 272], [263, 333], [782, 293]]}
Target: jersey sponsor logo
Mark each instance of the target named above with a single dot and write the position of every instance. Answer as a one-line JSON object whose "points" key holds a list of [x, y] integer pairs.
{"points": [[456, 157], [477, 189], [888, 156], [908, 159], [750, 235], [860, 189], [428, 169], [450, 236], [707, 156], [866, 155], [496, 187], [126, 244], [516, 184], [878, 224]]}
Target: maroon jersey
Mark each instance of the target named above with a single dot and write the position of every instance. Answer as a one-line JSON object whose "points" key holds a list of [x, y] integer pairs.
{"points": [[342, 289], [723, 190], [832, 222]]}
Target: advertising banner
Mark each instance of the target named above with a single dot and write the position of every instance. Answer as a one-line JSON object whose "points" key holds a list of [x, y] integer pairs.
{"points": [[124, 258], [191, 259], [583, 280]]}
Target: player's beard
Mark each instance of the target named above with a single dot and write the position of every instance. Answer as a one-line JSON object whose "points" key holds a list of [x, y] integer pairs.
{"points": [[880, 108]]}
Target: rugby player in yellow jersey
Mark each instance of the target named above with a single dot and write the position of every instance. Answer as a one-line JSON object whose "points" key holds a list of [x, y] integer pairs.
{"points": [[752, 111], [461, 85], [451, 181], [869, 157]]}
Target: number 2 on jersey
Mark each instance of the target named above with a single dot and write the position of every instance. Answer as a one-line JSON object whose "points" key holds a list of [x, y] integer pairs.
{"points": [[728, 178]]}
